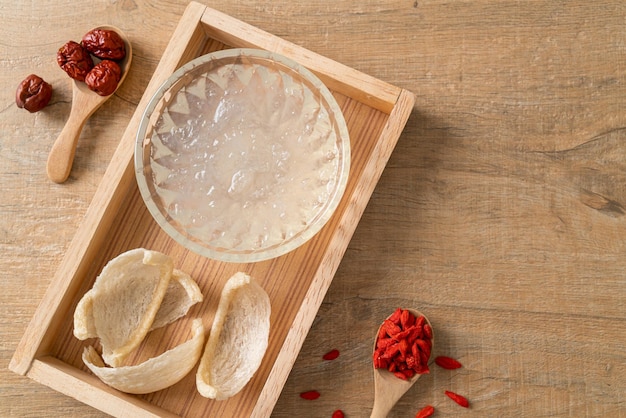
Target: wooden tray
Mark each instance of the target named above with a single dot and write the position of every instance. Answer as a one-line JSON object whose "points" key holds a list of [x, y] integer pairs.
{"points": [[117, 220]]}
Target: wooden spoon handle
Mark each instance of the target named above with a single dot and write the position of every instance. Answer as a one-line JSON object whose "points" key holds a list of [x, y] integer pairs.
{"points": [[388, 390], [61, 155], [381, 408]]}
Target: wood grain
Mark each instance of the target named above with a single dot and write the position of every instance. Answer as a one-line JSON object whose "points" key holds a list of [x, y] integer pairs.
{"points": [[500, 214]]}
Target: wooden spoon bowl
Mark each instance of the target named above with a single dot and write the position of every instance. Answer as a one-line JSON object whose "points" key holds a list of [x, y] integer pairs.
{"points": [[388, 388], [84, 103]]}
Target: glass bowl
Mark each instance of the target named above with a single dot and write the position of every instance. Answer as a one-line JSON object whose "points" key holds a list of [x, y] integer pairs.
{"points": [[242, 155]]}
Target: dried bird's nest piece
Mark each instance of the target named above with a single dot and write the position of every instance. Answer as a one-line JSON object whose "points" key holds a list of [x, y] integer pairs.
{"points": [[136, 292], [238, 339], [139, 291]]}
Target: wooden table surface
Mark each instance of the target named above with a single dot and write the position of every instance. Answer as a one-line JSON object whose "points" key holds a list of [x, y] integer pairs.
{"points": [[501, 213]]}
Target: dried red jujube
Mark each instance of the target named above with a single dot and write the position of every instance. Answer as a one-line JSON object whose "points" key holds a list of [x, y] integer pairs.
{"points": [[104, 44], [33, 93], [104, 77], [74, 60]]}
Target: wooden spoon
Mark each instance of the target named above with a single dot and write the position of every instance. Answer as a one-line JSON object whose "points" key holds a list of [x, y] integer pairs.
{"points": [[84, 103], [388, 389]]}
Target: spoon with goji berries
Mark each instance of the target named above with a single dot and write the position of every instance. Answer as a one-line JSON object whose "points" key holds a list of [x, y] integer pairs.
{"points": [[401, 353], [97, 65]]}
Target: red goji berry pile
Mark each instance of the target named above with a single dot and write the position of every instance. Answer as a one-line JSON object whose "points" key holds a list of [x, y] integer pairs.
{"points": [[403, 344]]}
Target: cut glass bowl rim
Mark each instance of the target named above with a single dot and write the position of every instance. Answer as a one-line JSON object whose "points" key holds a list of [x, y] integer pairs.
{"points": [[229, 255]]}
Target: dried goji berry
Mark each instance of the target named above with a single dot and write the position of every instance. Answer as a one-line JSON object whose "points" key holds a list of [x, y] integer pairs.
{"points": [[423, 359], [414, 333], [447, 363], [461, 400], [331, 355], [415, 351], [376, 361], [410, 361], [391, 351], [310, 395], [428, 331], [406, 319], [423, 345], [401, 375], [404, 347], [390, 328], [395, 316], [385, 342], [422, 369], [379, 361], [404, 334], [420, 322], [338, 414], [425, 412], [382, 333]]}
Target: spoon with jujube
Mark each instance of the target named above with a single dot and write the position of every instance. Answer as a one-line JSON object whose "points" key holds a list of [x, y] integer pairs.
{"points": [[84, 103], [388, 387]]}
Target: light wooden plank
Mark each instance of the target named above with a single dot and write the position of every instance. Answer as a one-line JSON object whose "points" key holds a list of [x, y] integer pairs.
{"points": [[500, 212], [87, 388], [336, 76]]}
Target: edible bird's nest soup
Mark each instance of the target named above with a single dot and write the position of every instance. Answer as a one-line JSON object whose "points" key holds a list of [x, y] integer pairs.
{"points": [[245, 156]]}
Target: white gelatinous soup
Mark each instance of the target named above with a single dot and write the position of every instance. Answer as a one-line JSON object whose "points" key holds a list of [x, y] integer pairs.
{"points": [[245, 156]]}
